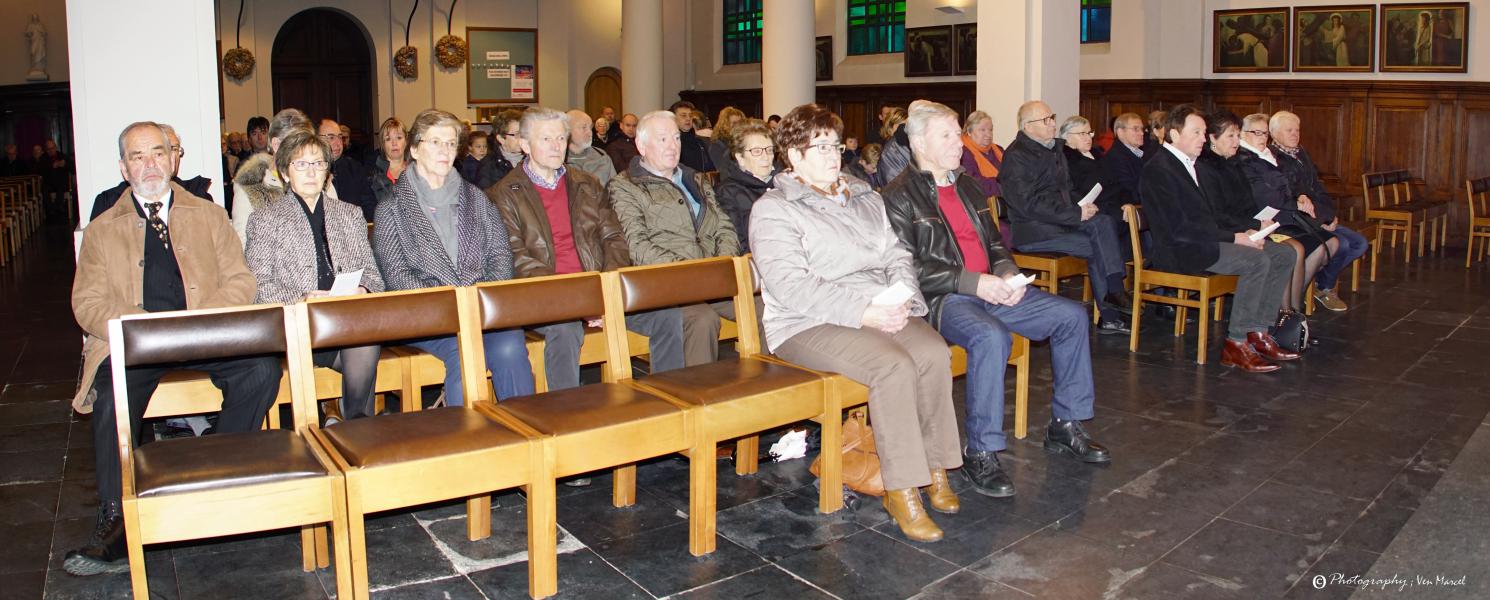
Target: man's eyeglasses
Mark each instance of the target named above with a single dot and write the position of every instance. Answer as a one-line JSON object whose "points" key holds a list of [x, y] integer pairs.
{"points": [[761, 151], [1256, 132], [1085, 133], [1048, 119], [308, 165]]}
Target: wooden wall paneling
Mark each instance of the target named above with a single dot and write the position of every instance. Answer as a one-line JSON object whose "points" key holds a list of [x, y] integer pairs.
{"points": [[1472, 133], [1399, 134], [1325, 131], [854, 115]]}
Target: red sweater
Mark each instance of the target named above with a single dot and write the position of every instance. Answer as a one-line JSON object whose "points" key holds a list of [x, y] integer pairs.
{"points": [[556, 204], [974, 257]]}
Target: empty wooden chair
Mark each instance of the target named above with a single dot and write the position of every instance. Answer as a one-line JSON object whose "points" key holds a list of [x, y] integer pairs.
{"points": [[729, 398], [1477, 196], [412, 458], [224, 484], [1206, 288]]}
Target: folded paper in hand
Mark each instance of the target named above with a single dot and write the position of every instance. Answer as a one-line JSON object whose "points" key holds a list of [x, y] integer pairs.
{"points": [[1020, 280], [346, 283], [1091, 196], [1267, 213], [1257, 237], [895, 295]]}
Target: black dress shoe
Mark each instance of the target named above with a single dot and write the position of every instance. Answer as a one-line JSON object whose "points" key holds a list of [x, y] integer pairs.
{"points": [[986, 474], [1120, 300], [1113, 327], [1063, 437], [106, 552]]}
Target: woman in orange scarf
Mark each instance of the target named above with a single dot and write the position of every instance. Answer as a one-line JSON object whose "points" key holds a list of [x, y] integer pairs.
{"points": [[983, 158]]}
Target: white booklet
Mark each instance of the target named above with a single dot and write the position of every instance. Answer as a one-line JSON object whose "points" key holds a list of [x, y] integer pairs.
{"points": [[895, 295], [1257, 237], [1020, 280], [1091, 196], [346, 283], [1266, 213]]}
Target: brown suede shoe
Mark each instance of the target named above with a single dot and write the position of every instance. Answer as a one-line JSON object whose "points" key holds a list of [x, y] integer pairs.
{"points": [[1242, 356], [940, 494], [1268, 348], [904, 506]]}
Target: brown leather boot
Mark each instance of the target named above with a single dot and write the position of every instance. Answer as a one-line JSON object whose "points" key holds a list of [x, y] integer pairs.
{"points": [[1265, 345], [1242, 356], [904, 506], [940, 494]]}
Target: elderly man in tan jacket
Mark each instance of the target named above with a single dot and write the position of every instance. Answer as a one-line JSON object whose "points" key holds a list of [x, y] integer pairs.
{"points": [[159, 248]]}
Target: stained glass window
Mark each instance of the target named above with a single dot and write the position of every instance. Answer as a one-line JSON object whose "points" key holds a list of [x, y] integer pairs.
{"points": [[875, 27], [1096, 21], [742, 31]]}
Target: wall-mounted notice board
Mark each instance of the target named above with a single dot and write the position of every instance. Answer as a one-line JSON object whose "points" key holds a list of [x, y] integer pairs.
{"points": [[503, 66]]}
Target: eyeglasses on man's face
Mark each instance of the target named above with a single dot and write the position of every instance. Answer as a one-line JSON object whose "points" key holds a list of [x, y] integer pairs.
{"points": [[1048, 119], [1256, 132], [1083, 133]]}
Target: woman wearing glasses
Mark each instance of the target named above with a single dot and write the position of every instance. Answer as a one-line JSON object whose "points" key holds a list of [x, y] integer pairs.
{"points": [[826, 252], [1080, 163], [439, 230], [753, 153], [297, 246]]}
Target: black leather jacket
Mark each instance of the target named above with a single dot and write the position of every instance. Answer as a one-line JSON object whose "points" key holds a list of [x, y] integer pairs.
{"points": [[911, 204]]}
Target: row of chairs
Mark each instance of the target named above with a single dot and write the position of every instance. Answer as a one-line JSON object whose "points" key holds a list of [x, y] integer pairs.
{"points": [[21, 213], [309, 477], [1391, 204]]}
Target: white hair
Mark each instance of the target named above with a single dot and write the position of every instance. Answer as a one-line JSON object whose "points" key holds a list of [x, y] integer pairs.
{"points": [[921, 112], [641, 124], [578, 116], [538, 114], [1279, 118]]}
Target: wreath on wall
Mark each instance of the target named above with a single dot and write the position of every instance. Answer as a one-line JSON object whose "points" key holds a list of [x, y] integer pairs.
{"points": [[238, 63], [451, 50], [406, 59]]}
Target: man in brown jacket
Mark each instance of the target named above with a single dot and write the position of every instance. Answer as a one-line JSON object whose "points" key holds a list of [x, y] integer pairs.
{"points": [[158, 249], [560, 221]]}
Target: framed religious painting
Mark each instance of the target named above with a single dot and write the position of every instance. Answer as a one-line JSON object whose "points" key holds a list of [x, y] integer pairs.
{"points": [[1425, 38], [966, 36], [1338, 39], [824, 47], [1250, 41], [928, 51]]}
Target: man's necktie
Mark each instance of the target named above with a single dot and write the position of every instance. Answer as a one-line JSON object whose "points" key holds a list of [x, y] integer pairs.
{"points": [[158, 224]]}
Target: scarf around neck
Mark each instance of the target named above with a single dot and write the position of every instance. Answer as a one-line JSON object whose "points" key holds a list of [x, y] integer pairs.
{"points": [[986, 168]]}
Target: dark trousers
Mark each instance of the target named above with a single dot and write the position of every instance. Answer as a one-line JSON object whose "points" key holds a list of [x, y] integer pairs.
{"points": [[983, 329], [249, 386], [506, 358], [1262, 275], [1098, 243], [561, 343], [359, 375], [1352, 246]]}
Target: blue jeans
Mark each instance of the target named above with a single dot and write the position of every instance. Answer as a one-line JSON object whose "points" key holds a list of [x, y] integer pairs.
{"points": [[506, 358], [1352, 246], [983, 330]]}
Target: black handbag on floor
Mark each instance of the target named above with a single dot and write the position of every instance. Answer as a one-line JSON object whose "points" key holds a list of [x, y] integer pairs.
{"points": [[1291, 331]]}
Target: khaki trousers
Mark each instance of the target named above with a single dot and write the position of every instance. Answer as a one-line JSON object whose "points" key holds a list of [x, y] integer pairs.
{"points": [[910, 392], [701, 329]]}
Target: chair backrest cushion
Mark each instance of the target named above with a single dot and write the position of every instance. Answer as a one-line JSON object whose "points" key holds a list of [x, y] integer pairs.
{"points": [[376, 318], [191, 336], [539, 301], [677, 284]]}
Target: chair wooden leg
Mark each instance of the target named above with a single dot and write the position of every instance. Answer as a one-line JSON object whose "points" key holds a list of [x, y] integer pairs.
{"points": [[357, 538], [138, 580], [411, 392], [747, 455], [1181, 313], [1137, 316], [1420, 241], [702, 488], [1220, 306], [1022, 392], [543, 575], [478, 517], [308, 558], [1202, 344], [1355, 275], [623, 493], [830, 449], [341, 539], [1309, 300]]}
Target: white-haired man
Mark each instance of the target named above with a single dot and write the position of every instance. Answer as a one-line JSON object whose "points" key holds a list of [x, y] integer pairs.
{"points": [[583, 154], [669, 214], [1303, 177]]}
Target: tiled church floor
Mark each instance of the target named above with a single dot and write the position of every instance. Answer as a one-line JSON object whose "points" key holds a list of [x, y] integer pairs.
{"points": [[1223, 485]]}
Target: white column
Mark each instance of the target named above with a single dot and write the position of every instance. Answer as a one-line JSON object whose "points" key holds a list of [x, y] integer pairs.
{"points": [[119, 79], [641, 56], [1027, 50], [788, 77]]}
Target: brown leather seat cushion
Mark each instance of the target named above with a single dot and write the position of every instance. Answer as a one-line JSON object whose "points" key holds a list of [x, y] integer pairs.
{"points": [[404, 437], [586, 407], [221, 461], [728, 380]]}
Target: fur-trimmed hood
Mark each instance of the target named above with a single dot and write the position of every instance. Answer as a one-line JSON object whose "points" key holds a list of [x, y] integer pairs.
{"points": [[259, 180]]}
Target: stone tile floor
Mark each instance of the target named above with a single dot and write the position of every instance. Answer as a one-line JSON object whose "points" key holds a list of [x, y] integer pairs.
{"points": [[1224, 485]]}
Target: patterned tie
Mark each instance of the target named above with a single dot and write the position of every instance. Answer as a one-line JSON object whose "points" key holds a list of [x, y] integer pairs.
{"points": [[158, 224]]}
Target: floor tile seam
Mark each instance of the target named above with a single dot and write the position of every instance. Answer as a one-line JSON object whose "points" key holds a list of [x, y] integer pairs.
{"points": [[613, 567], [804, 580]]}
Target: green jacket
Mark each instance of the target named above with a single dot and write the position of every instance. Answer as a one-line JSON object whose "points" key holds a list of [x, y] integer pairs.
{"points": [[659, 226]]}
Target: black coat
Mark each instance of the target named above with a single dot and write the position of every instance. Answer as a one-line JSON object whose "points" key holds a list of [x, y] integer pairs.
{"points": [[1303, 176], [621, 150], [1037, 191], [1269, 184], [1186, 235], [1084, 172], [492, 169], [1228, 192], [911, 204], [1119, 178], [736, 193], [695, 151], [352, 185]]}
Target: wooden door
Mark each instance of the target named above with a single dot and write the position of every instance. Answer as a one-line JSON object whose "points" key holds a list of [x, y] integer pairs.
{"points": [[322, 64], [602, 90]]}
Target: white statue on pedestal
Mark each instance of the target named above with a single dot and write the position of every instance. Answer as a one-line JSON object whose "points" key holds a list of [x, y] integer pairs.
{"points": [[36, 39]]}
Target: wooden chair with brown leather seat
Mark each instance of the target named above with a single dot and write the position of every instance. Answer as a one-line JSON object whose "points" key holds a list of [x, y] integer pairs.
{"points": [[412, 458], [1477, 197], [728, 398], [1206, 287], [225, 484], [1389, 203]]}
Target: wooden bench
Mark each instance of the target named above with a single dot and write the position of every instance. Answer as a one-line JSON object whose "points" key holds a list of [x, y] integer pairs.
{"points": [[1390, 203]]}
